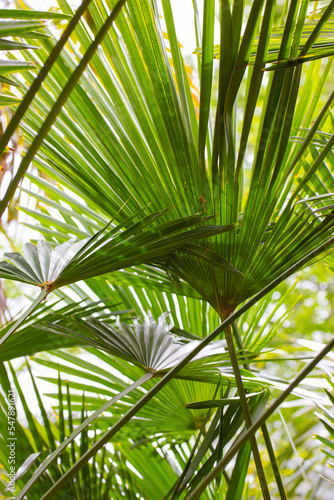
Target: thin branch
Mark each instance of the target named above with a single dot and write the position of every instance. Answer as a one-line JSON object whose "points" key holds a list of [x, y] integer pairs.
{"points": [[264, 428], [245, 436]]}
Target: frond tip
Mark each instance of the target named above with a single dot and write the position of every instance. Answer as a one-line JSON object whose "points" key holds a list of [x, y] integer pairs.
{"points": [[149, 344], [112, 248]]}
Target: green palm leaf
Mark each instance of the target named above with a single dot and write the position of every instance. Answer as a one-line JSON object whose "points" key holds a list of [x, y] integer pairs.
{"points": [[256, 248], [122, 246], [149, 344], [28, 26], [125, 132]]}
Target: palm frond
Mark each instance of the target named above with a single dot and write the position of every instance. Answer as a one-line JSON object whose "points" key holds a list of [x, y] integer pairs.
{"points": [[148, 344], [28, 25], [115, 125], [77, 260], [256, 247]]}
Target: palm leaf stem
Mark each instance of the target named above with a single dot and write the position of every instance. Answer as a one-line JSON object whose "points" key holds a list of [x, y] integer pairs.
{"points": [[171, 374], [243, 438], [28, 98], [22, 318], [273, 461], [50, 119], [264, 428], [246, 412], [147, 376]]}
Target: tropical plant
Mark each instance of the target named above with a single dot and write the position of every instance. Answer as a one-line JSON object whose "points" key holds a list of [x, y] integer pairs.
{"points": [[123, 161]]}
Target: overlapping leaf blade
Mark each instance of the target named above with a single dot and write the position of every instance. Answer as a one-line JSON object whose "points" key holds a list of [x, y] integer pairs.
{"points": [[150, 344], [125, 245], [29, 25], [256, 242], [133, 141]]}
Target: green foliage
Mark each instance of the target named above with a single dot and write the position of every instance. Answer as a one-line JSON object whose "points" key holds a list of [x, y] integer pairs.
{"points": [[29, 25], [326, 417], [170, 222]]}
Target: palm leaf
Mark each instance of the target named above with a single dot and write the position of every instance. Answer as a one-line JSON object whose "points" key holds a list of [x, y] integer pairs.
{"points": [[77, 260], [126, 134], [258, 243], [73, 261], [29, 24], [149, 345]]}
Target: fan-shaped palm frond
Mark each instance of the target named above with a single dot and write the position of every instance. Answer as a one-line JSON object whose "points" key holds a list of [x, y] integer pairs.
{"points": [[164, 416], [150, 344], [109, 461], [270, 237], [115, 249], [40, 265]]}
